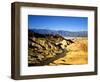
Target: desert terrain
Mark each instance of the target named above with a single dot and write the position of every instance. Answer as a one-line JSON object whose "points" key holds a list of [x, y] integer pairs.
{"points": [[47, 49], [77, 53]]}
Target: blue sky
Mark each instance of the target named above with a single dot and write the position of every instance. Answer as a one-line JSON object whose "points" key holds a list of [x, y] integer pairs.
{"points": [[58, 23]]}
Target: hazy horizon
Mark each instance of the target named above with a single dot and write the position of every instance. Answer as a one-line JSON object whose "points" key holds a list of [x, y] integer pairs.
{"points": [[57, 30]]}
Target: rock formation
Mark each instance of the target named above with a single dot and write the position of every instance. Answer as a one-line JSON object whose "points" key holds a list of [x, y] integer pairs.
{"points": [[45, 48]]}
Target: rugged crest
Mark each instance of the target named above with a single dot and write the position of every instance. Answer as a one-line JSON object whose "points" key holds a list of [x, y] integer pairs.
{"points": [[43, 49]]}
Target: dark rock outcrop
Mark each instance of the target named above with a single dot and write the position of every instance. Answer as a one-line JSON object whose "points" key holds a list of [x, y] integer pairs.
{"points": [[45, 48]]}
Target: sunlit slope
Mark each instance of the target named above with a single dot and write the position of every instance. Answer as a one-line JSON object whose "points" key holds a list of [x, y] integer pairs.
{"points": [[77, 53]]}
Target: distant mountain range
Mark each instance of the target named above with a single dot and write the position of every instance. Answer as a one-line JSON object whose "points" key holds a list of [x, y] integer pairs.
{"points": [[61, 32]]}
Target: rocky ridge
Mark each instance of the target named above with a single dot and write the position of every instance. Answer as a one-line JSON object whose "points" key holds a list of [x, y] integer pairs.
{"points": [[43, 49]]}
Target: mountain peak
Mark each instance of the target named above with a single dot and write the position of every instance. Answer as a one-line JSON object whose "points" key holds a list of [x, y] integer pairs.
{"points": [[61, 32]]}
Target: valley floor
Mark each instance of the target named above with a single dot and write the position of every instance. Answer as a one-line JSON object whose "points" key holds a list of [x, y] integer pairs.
{"points": [[77, 53]]}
